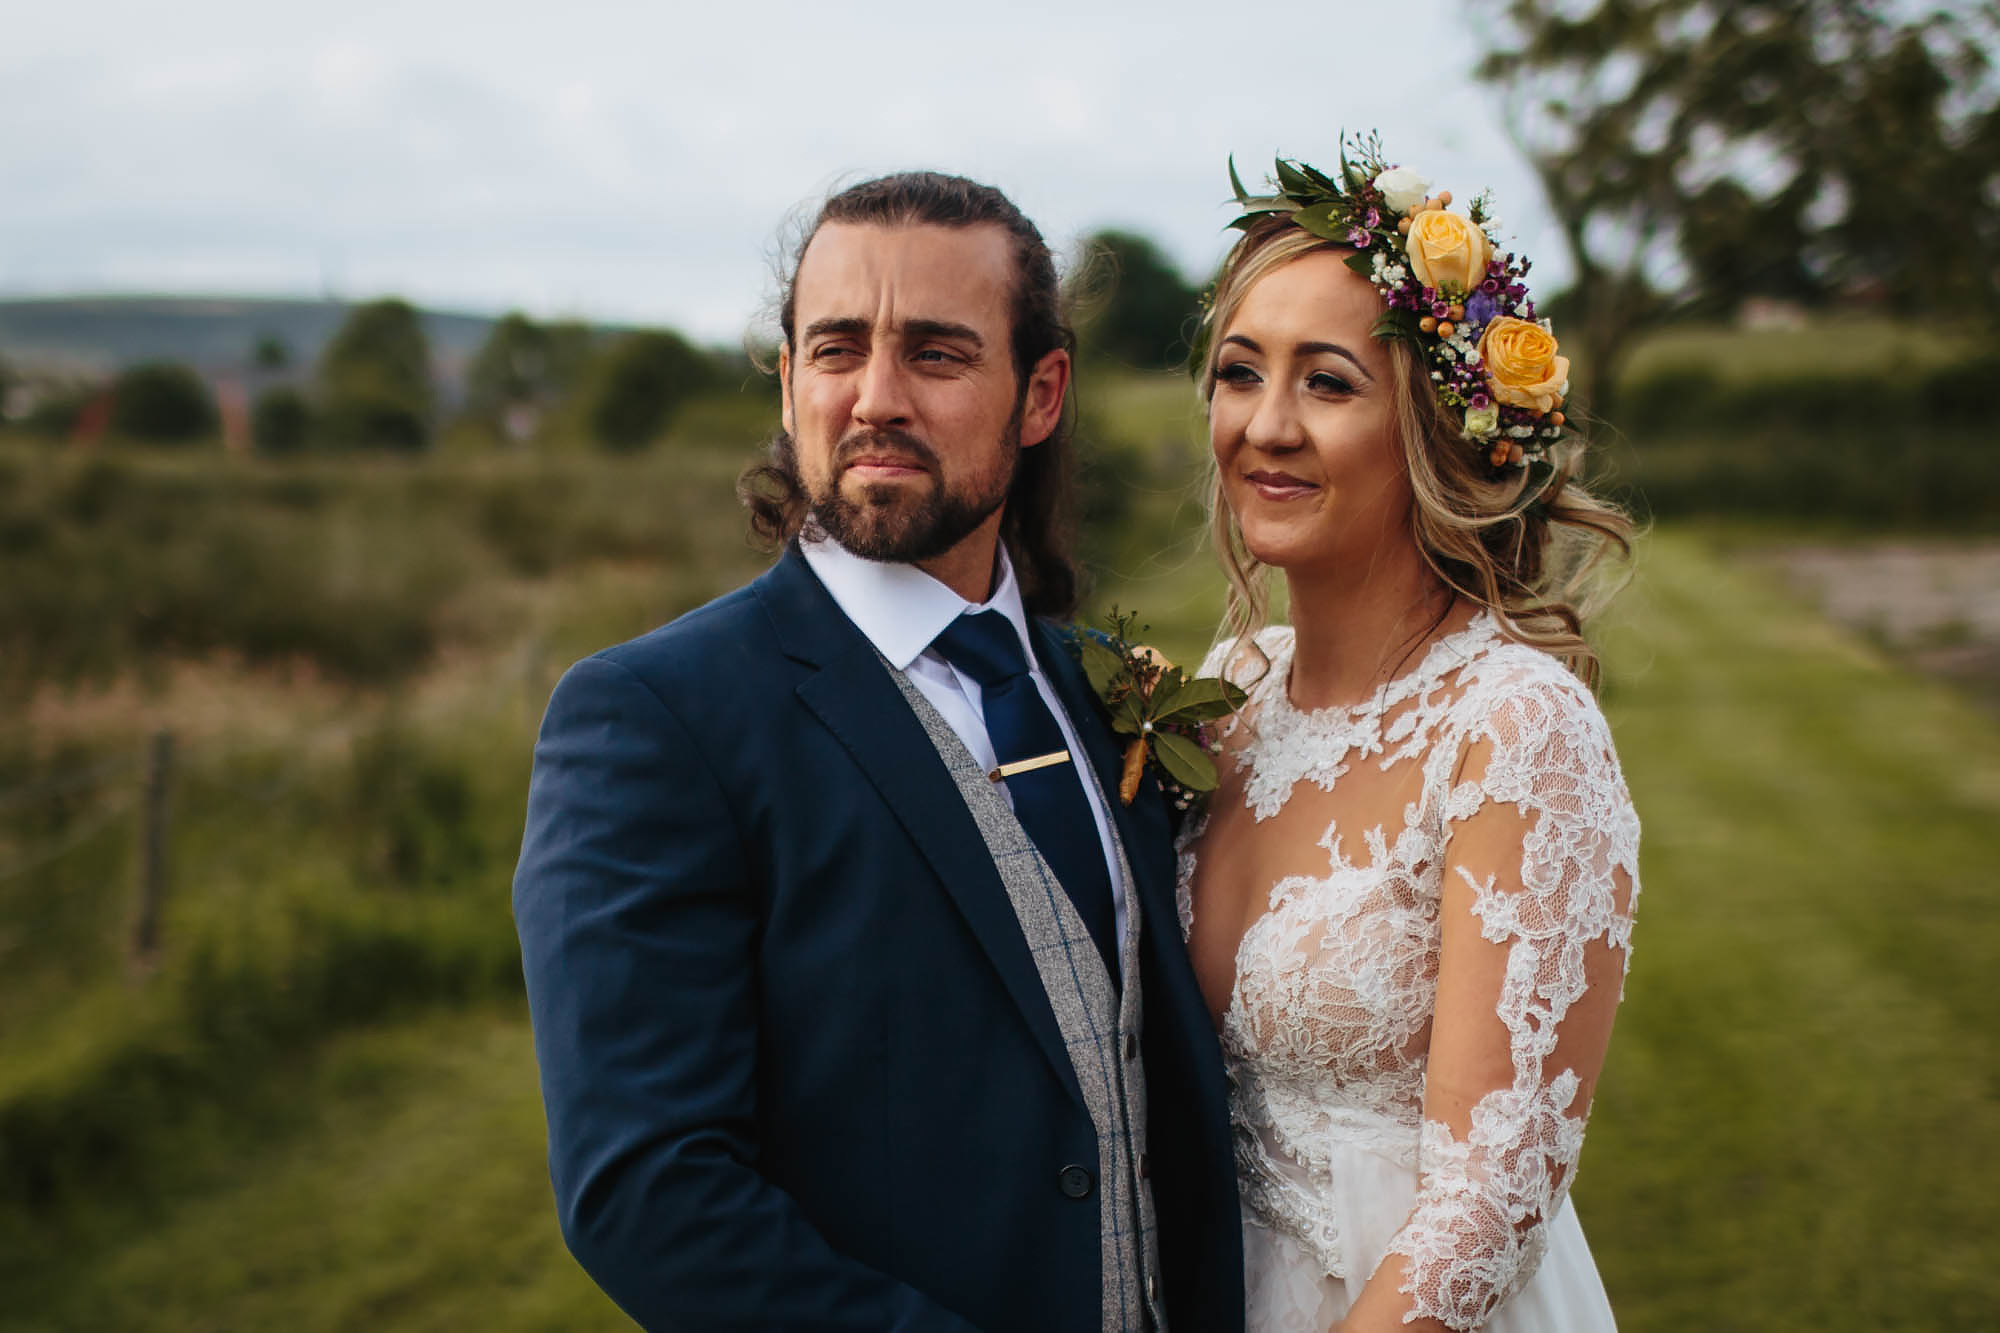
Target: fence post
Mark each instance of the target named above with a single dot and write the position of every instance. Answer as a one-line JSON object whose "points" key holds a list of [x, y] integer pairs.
{"points": [[153, 850]]}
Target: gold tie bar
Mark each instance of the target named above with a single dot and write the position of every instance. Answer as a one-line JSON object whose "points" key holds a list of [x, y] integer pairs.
{"points": [[1027, 765]]}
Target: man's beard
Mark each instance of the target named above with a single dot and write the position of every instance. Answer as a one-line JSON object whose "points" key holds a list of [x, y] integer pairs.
{"points": [[896, 523]]}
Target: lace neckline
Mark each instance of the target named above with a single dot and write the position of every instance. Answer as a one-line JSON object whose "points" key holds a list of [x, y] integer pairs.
{"points": [[1289, 744]]}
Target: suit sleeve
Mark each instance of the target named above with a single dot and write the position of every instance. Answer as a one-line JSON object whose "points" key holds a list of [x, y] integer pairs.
{"points": [[638, 940]]}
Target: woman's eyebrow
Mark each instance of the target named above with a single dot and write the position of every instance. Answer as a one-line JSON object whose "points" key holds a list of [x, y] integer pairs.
{"points": [[1319, 348], [1304, 349]]}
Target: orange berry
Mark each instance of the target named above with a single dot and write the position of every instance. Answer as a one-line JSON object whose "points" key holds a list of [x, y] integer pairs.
{"points": [[1444, 197], [1556, 418], [1428, 324], [1514, 454], [1444, 328], [1403, 226], [1457, 311]]}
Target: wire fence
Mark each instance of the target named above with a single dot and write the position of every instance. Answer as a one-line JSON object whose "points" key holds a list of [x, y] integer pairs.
{"points": [[134, 789]]}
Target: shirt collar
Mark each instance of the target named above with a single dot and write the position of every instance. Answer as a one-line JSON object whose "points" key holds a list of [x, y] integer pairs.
{"points": [[898, 607]]}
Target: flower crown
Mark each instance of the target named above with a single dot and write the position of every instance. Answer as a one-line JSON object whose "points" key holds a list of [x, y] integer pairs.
{"points": [[1451, 292]]}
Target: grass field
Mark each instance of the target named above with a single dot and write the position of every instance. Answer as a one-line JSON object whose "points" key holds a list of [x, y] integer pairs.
{"points": [[1795, 1129], [317, 1110]]}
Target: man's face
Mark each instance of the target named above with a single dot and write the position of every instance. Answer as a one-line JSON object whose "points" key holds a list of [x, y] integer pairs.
{"points": [[900, 391]]}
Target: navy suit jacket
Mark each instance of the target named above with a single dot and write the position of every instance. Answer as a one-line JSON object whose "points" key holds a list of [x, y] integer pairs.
{"points": [[799, 1070]]}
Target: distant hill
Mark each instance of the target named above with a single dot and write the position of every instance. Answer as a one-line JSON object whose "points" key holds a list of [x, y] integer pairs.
{"points": [[214, 334]]}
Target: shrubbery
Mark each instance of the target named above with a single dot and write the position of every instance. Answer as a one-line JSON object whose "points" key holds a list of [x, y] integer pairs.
{"points": [[121, 563], [1910, 448], [162, 401]]}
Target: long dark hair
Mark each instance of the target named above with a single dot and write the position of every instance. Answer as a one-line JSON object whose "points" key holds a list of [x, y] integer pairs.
{"points": [[1039, 524]]}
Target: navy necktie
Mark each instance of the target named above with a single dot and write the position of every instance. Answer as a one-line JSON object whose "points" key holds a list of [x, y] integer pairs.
{"points": [[1049, 801]]}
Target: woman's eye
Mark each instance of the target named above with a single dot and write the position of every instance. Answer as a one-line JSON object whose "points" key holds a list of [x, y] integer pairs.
{"points": [[1326, 382], [1236, 373]]}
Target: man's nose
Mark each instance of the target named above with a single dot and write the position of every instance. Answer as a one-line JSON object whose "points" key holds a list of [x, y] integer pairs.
{"points": [[883, 397]]}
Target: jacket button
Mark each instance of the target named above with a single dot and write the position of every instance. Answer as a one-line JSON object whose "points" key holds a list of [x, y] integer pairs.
{"points": [[1075, 1182], [1145, 1167], [1131, 1046]]}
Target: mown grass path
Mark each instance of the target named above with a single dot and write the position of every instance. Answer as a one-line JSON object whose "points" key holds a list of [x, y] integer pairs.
{"points": [[1796, 1128]]}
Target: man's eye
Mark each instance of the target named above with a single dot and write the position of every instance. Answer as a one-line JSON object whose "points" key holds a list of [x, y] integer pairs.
{"points": [[935, 356], [832, 352]]}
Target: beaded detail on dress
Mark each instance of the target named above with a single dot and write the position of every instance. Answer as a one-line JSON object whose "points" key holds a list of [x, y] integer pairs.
{"points": [[1328, 1027]]}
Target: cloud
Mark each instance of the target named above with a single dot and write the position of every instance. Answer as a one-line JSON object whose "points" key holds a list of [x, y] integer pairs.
{"points": [[635, 162]]}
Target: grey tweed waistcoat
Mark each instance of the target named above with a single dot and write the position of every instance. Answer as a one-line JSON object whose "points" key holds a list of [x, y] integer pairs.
{"points": [[1099, 1023]]}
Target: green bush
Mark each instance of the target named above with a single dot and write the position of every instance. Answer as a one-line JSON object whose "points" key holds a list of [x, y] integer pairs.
{"points": [[280, 420], [162, 401]]}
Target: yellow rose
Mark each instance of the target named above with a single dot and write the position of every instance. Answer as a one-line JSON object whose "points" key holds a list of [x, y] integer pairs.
{"points": [[1446, 250], [1522, 365]]}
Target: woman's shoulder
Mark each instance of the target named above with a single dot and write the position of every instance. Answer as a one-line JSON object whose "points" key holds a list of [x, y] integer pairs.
{"points": [[1521, 695], [1244, 662]]}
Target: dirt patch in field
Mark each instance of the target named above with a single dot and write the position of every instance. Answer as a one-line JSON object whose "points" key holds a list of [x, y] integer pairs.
{"points": [[1935, 605]]}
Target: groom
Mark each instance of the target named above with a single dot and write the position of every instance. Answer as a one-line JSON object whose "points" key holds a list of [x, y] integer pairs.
{"points": [[859, 1003]]}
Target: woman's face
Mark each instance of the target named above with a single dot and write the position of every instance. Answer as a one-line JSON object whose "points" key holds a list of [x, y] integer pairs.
{"points": [[1302, 419]]}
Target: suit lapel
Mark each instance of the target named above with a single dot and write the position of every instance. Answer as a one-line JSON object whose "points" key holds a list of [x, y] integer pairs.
{"points": [[854, 696]]}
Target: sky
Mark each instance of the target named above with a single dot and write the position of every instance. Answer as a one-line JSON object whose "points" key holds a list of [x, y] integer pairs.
{"points": [[639, 162]]}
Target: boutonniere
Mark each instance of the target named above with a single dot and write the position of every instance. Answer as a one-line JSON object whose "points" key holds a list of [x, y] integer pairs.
{"points": [[1160, 706]]}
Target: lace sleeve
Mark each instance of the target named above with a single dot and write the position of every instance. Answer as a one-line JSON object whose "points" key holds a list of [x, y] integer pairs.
{"points": [[1541, 870]]}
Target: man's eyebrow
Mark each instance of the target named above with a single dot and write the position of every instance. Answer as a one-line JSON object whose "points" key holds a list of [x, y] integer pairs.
{"points": [[917, 330], [1304, 349], [842, 324]]}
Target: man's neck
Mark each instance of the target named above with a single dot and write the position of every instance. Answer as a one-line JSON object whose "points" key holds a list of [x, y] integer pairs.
{"points": [[971, 567]]}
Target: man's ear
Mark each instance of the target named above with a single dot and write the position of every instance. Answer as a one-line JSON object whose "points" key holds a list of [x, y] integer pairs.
{"points": [[785, 388], [1042, 404]]}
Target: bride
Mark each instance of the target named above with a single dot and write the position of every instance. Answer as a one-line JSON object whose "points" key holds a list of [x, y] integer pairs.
{"points": [[1409, 902]]}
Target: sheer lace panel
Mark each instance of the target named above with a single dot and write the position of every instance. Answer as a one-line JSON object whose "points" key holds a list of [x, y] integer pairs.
{"points": [[1432, 979]]}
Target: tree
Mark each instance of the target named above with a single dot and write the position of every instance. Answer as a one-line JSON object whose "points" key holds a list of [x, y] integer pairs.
{"points": [[162, 401], [374, 379], [270, 353], [1697, 154], [641, 381], [1144, 312], [523, 370], [280, 420]]}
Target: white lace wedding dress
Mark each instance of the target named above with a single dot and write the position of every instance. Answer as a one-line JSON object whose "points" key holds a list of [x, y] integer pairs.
{"points": [[1473, 814]]}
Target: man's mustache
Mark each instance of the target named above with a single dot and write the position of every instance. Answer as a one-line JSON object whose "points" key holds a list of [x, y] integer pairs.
{"points": [[877, 443]]}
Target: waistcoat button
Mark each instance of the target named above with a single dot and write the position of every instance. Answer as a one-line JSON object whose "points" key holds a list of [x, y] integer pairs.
{"points": [[1075, 1182]]}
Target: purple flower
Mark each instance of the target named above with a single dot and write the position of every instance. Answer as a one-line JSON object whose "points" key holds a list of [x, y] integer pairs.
{"points": [[1440, 309], [1480, 306], [1481, 399], [1359, 239], [1491, 286], [1373, 219]]}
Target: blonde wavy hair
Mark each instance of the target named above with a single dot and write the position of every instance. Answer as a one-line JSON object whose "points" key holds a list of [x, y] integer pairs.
{"points": [[1537, 562]]}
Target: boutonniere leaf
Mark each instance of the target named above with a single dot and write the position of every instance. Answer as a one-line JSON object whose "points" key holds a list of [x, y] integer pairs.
{"points": [[1163, 709]]}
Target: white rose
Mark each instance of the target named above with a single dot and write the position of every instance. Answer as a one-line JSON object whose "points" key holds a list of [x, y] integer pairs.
{"points": [[1402, 189], [1481, 422]]}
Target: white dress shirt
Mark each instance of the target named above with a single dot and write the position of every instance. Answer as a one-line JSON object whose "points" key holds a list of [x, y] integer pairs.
{"points": [[901, 610]]}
